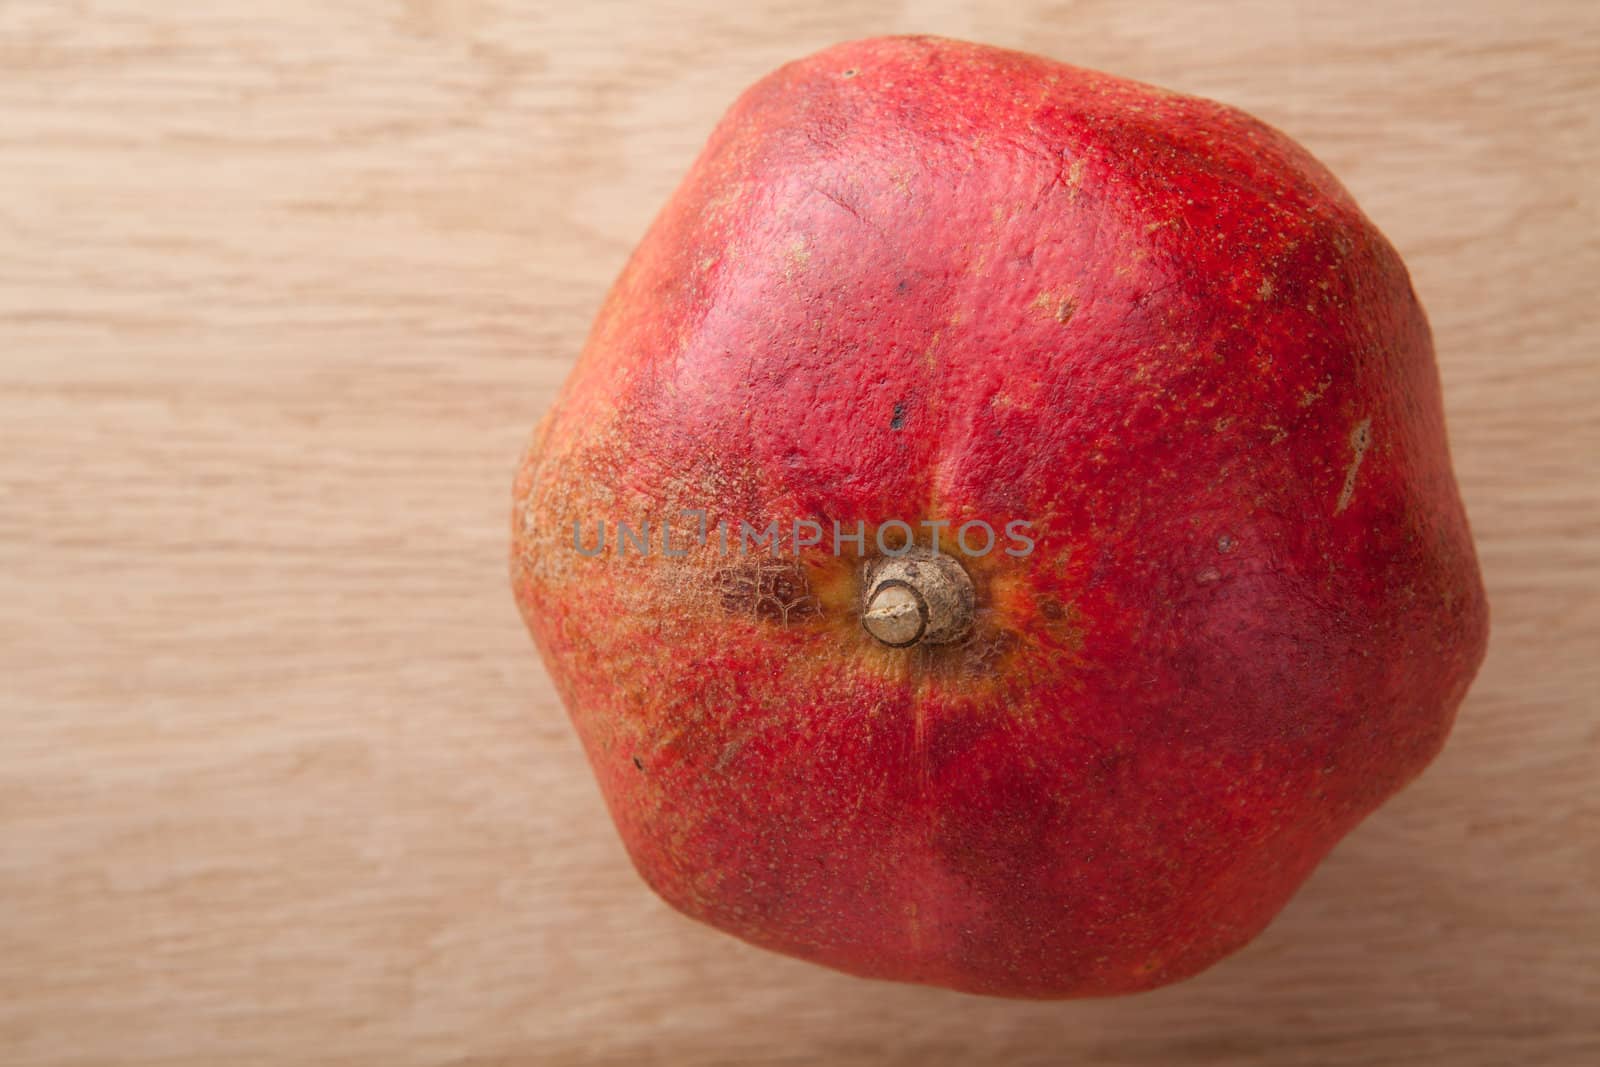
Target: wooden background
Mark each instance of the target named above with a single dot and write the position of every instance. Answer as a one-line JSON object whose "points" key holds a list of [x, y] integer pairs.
{"points": [[282, 287]]}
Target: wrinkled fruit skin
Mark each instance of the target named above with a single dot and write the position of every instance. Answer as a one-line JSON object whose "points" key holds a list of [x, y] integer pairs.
{"points": [[920, 279]]}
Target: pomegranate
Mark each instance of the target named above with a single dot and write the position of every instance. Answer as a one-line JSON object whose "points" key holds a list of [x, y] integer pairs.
{"points": [[1000, 532]]}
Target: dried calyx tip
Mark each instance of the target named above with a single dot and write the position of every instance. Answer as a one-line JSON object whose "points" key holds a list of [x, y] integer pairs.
{"points": [[916, 598]]}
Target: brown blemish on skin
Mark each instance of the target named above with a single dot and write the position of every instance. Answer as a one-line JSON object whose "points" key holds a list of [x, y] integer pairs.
{"points": [[983, 653], [729, 751], [771, 590], [1311, 396], [797, 258], [1001, 214], [1056, 305], [1360, 441]]}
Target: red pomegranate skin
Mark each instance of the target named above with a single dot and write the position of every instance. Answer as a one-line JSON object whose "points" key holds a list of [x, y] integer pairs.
{"points": [[919, 279]]}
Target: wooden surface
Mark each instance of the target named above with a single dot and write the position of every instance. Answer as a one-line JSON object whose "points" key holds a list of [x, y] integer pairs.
{"points": [[283, 286]]}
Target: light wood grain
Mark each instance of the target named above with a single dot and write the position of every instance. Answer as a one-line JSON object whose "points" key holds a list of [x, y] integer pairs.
{"points": [[282, 288]]}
